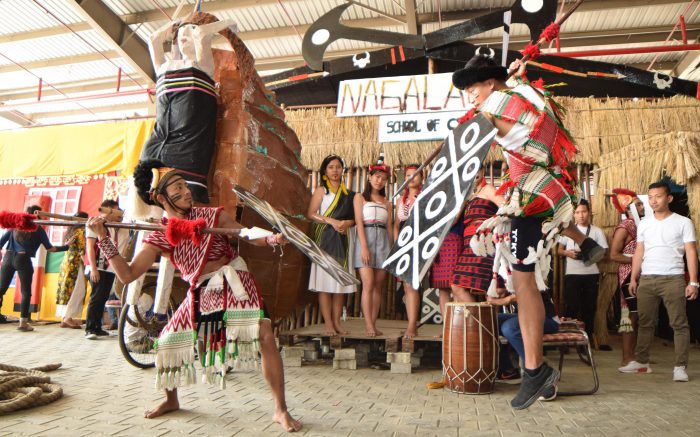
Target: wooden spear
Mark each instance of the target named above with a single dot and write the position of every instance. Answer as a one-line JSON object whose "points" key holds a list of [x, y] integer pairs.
{"points": [[134, 226]]}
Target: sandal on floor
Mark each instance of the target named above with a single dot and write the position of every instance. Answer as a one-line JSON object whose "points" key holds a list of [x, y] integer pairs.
{"points": [[25, 328], [3, 319]]}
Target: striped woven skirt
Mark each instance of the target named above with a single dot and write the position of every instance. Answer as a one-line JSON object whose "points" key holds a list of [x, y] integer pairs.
{"points": [[445, 262]]}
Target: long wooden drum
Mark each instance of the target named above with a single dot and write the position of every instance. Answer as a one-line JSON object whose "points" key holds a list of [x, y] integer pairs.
{"points": [[470, 347]]}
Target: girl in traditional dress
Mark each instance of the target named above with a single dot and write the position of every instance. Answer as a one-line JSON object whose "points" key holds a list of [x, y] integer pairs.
{"points": [[403, 208], [331, 210], [373, 215], [473, 274], [71, 279]]}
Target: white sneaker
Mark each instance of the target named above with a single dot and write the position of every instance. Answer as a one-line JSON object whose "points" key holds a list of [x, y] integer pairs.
{"points": [[90, 336], [679, 374], [635, 367]]}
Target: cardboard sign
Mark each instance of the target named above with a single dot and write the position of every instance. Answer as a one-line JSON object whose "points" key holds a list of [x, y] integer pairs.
{"points": [[417, 127], [400, 95]]}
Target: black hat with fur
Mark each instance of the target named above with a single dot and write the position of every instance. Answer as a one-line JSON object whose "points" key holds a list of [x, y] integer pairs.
{"points": [[481, 67]]}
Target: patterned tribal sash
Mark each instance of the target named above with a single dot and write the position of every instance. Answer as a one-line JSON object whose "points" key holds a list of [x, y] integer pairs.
{"points": [[225, 306]]}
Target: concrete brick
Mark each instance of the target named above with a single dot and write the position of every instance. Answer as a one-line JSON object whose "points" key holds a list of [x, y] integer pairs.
{"points": [[400, 367], [398, 357], [291, 361], [344, 354], [310, 355], [344, 365], [292, 352]]}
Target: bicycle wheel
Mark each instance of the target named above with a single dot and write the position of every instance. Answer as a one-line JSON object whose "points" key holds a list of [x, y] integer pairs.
{"points": [[144, 328]]}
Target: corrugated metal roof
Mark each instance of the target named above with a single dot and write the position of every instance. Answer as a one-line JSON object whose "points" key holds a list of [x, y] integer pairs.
{"points": [[24, 16]]}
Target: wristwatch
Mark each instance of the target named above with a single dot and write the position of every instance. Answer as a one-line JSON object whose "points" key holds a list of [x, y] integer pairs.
{"points": [[694, 284]]}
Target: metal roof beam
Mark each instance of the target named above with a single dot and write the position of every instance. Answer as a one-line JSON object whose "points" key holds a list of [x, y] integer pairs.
{"points": [[97, 110], [412, 25], [79, 86], [43, 33], [131, 47], [18, 118], [65, 60]]}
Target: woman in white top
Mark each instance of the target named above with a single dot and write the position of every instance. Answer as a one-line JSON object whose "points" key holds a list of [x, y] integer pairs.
{"points": [[373, 215], [332, 211]]}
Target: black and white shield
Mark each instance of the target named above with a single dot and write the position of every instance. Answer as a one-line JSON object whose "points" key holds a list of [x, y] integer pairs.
{"points": [[437, 206], [300, 240]]}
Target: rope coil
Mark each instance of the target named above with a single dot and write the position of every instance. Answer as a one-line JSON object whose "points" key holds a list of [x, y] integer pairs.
{"points": [[22, 388]]}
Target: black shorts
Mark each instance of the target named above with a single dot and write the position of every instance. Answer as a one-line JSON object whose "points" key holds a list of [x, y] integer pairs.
{"points": [[525, 232], [631, 300]]}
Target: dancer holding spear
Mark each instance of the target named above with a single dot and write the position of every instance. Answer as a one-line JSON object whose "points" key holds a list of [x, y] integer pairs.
{"points": [[223, 304]]}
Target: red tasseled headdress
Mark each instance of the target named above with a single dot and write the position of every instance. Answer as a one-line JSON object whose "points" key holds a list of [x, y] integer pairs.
{"points": [[179, 229], [621, 199], [18, 220]]}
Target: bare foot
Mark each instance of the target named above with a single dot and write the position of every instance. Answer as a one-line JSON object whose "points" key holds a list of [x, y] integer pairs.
{"points": [[410, 333], [165, 407], [378, 332], [340, 329], [330, 330], [287, 421]]}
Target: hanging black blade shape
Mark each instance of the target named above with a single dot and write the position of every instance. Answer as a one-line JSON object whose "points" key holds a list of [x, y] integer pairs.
{"points": [[327, 29], [536, 20]]}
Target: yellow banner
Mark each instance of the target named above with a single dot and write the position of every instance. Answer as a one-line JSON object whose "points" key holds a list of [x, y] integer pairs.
{"points": [[73, 149]]}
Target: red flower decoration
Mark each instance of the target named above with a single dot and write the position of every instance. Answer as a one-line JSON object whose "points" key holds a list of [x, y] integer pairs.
{"points": [[179, 229], [466, 117], [539, 84], [532, 51], [550, 33], [18, 220]]}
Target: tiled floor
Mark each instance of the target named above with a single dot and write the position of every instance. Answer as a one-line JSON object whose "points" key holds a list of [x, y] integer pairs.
{"points": [[106, 396]]}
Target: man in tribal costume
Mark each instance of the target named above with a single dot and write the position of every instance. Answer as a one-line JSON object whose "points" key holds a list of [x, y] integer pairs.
{"points": [[223, 304], [539, 201]]}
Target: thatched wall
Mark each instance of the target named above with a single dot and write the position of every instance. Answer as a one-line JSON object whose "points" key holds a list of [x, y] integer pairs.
{"points": [[598, 127]]}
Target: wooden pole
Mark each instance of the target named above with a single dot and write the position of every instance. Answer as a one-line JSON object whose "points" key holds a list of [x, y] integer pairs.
{"points": [[136, 226]]}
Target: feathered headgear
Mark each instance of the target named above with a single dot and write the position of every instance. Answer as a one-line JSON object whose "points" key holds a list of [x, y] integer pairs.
{"points": [[622, 198], [479, 68], [379, 166]]}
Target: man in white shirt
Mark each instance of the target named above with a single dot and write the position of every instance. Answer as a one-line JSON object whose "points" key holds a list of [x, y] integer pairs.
{"points": [[101, 274], [581, 281], [662, 240]]}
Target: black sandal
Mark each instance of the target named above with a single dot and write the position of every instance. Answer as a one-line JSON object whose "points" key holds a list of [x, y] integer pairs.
{"points": [[3, 319]]}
